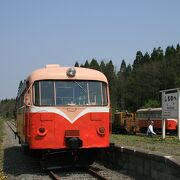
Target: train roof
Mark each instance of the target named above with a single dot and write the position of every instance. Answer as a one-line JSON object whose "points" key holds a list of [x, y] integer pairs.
{"points": [[149, 109], [56, 72]]}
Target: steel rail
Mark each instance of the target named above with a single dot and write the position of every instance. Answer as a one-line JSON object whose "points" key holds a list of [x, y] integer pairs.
{"points": [[95, 174], [13, 123], [88, 170], [53, 175], [8, 123]]}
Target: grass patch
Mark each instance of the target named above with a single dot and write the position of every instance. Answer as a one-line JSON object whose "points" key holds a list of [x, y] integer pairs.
{"points": [[1, 129], [2, 176], [168, 146]]}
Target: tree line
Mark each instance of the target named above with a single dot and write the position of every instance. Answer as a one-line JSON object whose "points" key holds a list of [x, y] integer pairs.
{"points": [[138, 85], [7, 108], [135, 85]]}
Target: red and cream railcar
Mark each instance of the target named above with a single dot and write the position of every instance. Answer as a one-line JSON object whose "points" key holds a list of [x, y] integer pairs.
{"points": [[143, 116], [61, 108]]}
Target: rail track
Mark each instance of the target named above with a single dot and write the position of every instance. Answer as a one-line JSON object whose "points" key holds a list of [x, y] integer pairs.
{"points": [[56, 175], [52, 173], [12, 126], [92, 171], [22, 166]]}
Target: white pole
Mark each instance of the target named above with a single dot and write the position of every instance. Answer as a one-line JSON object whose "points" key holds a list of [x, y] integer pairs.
{"points": [[163, 128], [163, 120], [178, 119]]}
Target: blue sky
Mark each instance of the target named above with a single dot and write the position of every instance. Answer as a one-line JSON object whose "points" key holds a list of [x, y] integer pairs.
{"points": [[38, 32]]}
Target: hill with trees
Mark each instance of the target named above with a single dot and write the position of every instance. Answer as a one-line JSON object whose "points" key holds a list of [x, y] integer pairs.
{"points": [[132, 86], [7, 108], [136, 86]]}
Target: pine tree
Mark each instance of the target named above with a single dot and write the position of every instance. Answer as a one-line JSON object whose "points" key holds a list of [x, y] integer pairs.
{"points": [[111, 76], [86, 65], [76, 64], [94, 64]]}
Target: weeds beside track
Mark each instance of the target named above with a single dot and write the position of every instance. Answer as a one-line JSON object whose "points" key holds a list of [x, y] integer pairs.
{"points": [[2, 176]]}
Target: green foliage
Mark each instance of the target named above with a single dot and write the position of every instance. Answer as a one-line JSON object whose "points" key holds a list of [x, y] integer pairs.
{"points": [[76, 64], [7, 108], [139, 85], [1, 129], [93, 64], [151, 104], [2, 175], [86, 65]]}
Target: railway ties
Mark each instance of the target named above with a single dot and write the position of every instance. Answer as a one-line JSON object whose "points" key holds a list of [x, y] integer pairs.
{"points": [[88, 173]]}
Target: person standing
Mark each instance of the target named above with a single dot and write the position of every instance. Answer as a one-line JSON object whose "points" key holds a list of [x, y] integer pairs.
{"points": [[150, 131]]}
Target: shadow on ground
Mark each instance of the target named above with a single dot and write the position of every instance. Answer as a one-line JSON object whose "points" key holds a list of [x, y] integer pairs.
{"points": [[17, 163]]}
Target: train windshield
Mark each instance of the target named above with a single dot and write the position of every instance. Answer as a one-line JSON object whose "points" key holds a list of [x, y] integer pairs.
{"points": [[69, 93]]}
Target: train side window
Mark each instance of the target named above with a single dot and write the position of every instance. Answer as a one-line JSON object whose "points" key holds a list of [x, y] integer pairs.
{"points": [[159, 114]]}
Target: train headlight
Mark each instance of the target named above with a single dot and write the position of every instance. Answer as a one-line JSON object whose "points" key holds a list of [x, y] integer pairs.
{"points": [[42, 131], [71, 72], [101, 131]]}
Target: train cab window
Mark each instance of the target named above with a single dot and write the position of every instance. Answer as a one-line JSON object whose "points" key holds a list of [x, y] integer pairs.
{"points": [[81, 92], [36, 93], [95, 93], [65, 93], [47, 93], [44, 93], [104, 94]]}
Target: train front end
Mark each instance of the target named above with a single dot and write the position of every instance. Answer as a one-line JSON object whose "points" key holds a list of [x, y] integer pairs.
{"points": [[67, 109]]}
